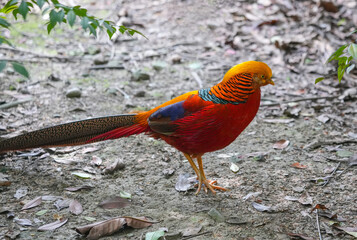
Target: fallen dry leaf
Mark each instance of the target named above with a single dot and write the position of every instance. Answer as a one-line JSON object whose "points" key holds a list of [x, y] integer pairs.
{"points": [[281, 144], [261, 207], [139, 222], [53, 226], [350, 230], [75, 189], [298, 165], [75, 207], [33, 203], [116, 202], [319, 206], [108, 227]]}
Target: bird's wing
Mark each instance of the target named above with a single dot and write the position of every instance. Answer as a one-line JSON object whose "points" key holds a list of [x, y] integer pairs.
{"points": [[163, 120]]}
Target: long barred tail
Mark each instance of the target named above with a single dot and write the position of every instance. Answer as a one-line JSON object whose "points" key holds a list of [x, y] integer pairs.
{"points": [[76, 133]]}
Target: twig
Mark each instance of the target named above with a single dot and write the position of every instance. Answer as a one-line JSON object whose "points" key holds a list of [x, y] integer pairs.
{"points": [[318, 224], [23, 60], [316, 144], [37, 54], [197, 79], [298, 100], [331, 175], [14, 104], [196, 235], [105, 66]]}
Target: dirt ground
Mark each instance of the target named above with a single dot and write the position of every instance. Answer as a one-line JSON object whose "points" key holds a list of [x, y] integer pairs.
{"points": [[191, 44]]}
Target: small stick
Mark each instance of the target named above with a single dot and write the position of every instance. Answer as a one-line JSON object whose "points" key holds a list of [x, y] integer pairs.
{"points": [[298, 100], [317, 144], [318, 224], [197, 79], [329, 177], [14, 104]]}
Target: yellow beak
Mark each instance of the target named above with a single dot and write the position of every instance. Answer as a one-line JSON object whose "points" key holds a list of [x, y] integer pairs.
{"points": [[269, 81]]}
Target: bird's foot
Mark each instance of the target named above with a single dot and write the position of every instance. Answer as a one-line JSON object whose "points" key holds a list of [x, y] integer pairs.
{"points": [[209, 184]]}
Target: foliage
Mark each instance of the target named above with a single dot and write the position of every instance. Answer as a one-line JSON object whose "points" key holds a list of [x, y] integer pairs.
{"points": [[346, 55], [58, 13]]}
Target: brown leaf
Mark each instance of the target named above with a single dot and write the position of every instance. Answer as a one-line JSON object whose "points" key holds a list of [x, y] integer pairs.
{"points": [[319, 206], [116, 202], [75, 189], [53, 226], [281, 144], [350, 230], [298, 165], [33, 203], [103, 228], [5, 183], [75, 207], [329, 6], [138, 222]]}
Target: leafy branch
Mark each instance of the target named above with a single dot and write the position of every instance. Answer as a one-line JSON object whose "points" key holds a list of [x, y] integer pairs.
{"points": [[346, 55], [58, 13]]}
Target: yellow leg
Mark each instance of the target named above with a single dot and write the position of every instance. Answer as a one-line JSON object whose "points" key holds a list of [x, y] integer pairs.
{"points": [[193, 165], [208, 183]]}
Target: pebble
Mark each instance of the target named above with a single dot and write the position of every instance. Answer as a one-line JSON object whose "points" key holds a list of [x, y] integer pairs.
{"points": [[159, 65], [175, 59], [140, 75], [74, 93]]}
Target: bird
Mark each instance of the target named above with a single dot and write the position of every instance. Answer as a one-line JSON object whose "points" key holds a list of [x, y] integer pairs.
{"points": [[195, 123]]}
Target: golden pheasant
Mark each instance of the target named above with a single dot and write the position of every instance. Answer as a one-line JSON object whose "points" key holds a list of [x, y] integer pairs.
{"points": [[195, 123]]}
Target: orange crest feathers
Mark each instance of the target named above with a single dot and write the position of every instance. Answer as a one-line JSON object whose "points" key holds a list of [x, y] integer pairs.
{"points": [[248, 67]]}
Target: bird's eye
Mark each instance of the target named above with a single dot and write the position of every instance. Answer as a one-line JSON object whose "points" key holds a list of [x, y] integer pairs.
{"points": [[263, 76]]}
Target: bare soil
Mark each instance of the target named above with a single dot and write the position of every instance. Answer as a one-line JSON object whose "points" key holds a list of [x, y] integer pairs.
{"points": [[191, 44]]}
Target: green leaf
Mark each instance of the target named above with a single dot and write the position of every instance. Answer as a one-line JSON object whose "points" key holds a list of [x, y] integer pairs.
{"points": [[355, 31], [23, 9], [336, 54], [15, 12], [42, 212], [81, 12], [9, 6], [350, 68], [2, 65], [53, 17], [40, 3], [317, 80], [82, 175], [92, 29], [4, 23], [124, 194], [340, 72], [60, 16], [19, 68], [154, 235], [122, 29], [353, 50], [71, 17], [4, 40], [50, 26], [84, 23]]}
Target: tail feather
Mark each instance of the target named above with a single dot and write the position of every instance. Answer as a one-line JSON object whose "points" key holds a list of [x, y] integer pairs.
{"points": [[75, 133]]}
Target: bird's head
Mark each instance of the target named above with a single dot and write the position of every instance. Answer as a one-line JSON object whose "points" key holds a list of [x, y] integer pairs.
{"points": [[262, 73]]}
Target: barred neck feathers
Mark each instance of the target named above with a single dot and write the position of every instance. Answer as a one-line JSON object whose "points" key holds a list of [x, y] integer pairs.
{"points": [[234, 90]]}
